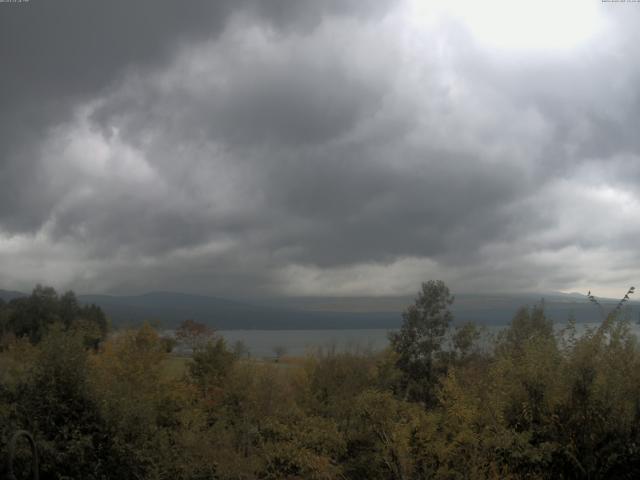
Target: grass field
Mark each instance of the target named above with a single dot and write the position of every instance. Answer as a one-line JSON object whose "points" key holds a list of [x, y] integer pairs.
{"points": [[175, 366]]}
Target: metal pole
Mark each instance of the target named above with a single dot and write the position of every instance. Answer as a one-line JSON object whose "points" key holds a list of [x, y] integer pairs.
{"points": [[35, 471]]}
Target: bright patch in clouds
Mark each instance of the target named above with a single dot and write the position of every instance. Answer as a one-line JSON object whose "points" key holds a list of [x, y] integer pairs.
{"points": [[509, 24]]}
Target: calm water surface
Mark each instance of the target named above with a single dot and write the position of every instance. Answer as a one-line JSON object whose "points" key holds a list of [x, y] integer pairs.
{"points": [[261, 343]]}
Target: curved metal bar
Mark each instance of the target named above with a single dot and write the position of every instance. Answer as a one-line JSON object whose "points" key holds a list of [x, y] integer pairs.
{"points": [[12, 453]]}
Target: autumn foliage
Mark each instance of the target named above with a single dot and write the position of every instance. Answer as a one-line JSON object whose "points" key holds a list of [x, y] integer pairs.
{"points": [[444, 401]]}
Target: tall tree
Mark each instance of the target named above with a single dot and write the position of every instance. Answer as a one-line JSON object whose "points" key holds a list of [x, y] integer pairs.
{"points": [[420, 340], [210, 365], [33, 315]]}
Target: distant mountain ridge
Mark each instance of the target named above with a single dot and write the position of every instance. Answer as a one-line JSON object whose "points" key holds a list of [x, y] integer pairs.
{"points": [[8, 295], [168, 309]]}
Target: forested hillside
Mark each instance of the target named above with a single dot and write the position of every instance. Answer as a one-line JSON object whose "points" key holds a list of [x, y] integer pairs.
{"points": [[438, 403]]}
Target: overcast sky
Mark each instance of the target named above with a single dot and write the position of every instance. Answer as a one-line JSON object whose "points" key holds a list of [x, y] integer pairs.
{"points": [[328, 147]]}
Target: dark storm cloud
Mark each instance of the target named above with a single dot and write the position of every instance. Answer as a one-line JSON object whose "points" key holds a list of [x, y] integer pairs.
{"points": [[51, 50], [55, 54], [308, 147], [365, 211], [296, 101]]}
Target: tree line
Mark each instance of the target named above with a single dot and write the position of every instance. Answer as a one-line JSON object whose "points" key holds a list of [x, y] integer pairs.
{"points": [[31, 316], [442, 401]]}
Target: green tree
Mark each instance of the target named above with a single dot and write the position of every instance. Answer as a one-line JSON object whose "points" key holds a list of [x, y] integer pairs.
{"points": [[54, 402], [465, 340], [32, 316], [210, 365], [420, 339], [4, 321], [528, 325], [378, 436], [69, 308], [137, 403]]}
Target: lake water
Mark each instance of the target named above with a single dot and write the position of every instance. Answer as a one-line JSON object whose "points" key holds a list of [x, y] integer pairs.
{"points": [[261, 343]]}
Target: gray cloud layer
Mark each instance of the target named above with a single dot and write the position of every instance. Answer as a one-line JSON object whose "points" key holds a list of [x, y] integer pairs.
{"points": [[286, 147]]}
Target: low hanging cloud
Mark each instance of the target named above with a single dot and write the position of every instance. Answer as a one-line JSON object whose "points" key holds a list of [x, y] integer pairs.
{"points": [[301, 148]]}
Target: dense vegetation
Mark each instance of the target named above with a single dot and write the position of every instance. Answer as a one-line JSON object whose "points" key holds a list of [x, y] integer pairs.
{"points": [[441, 402]]}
